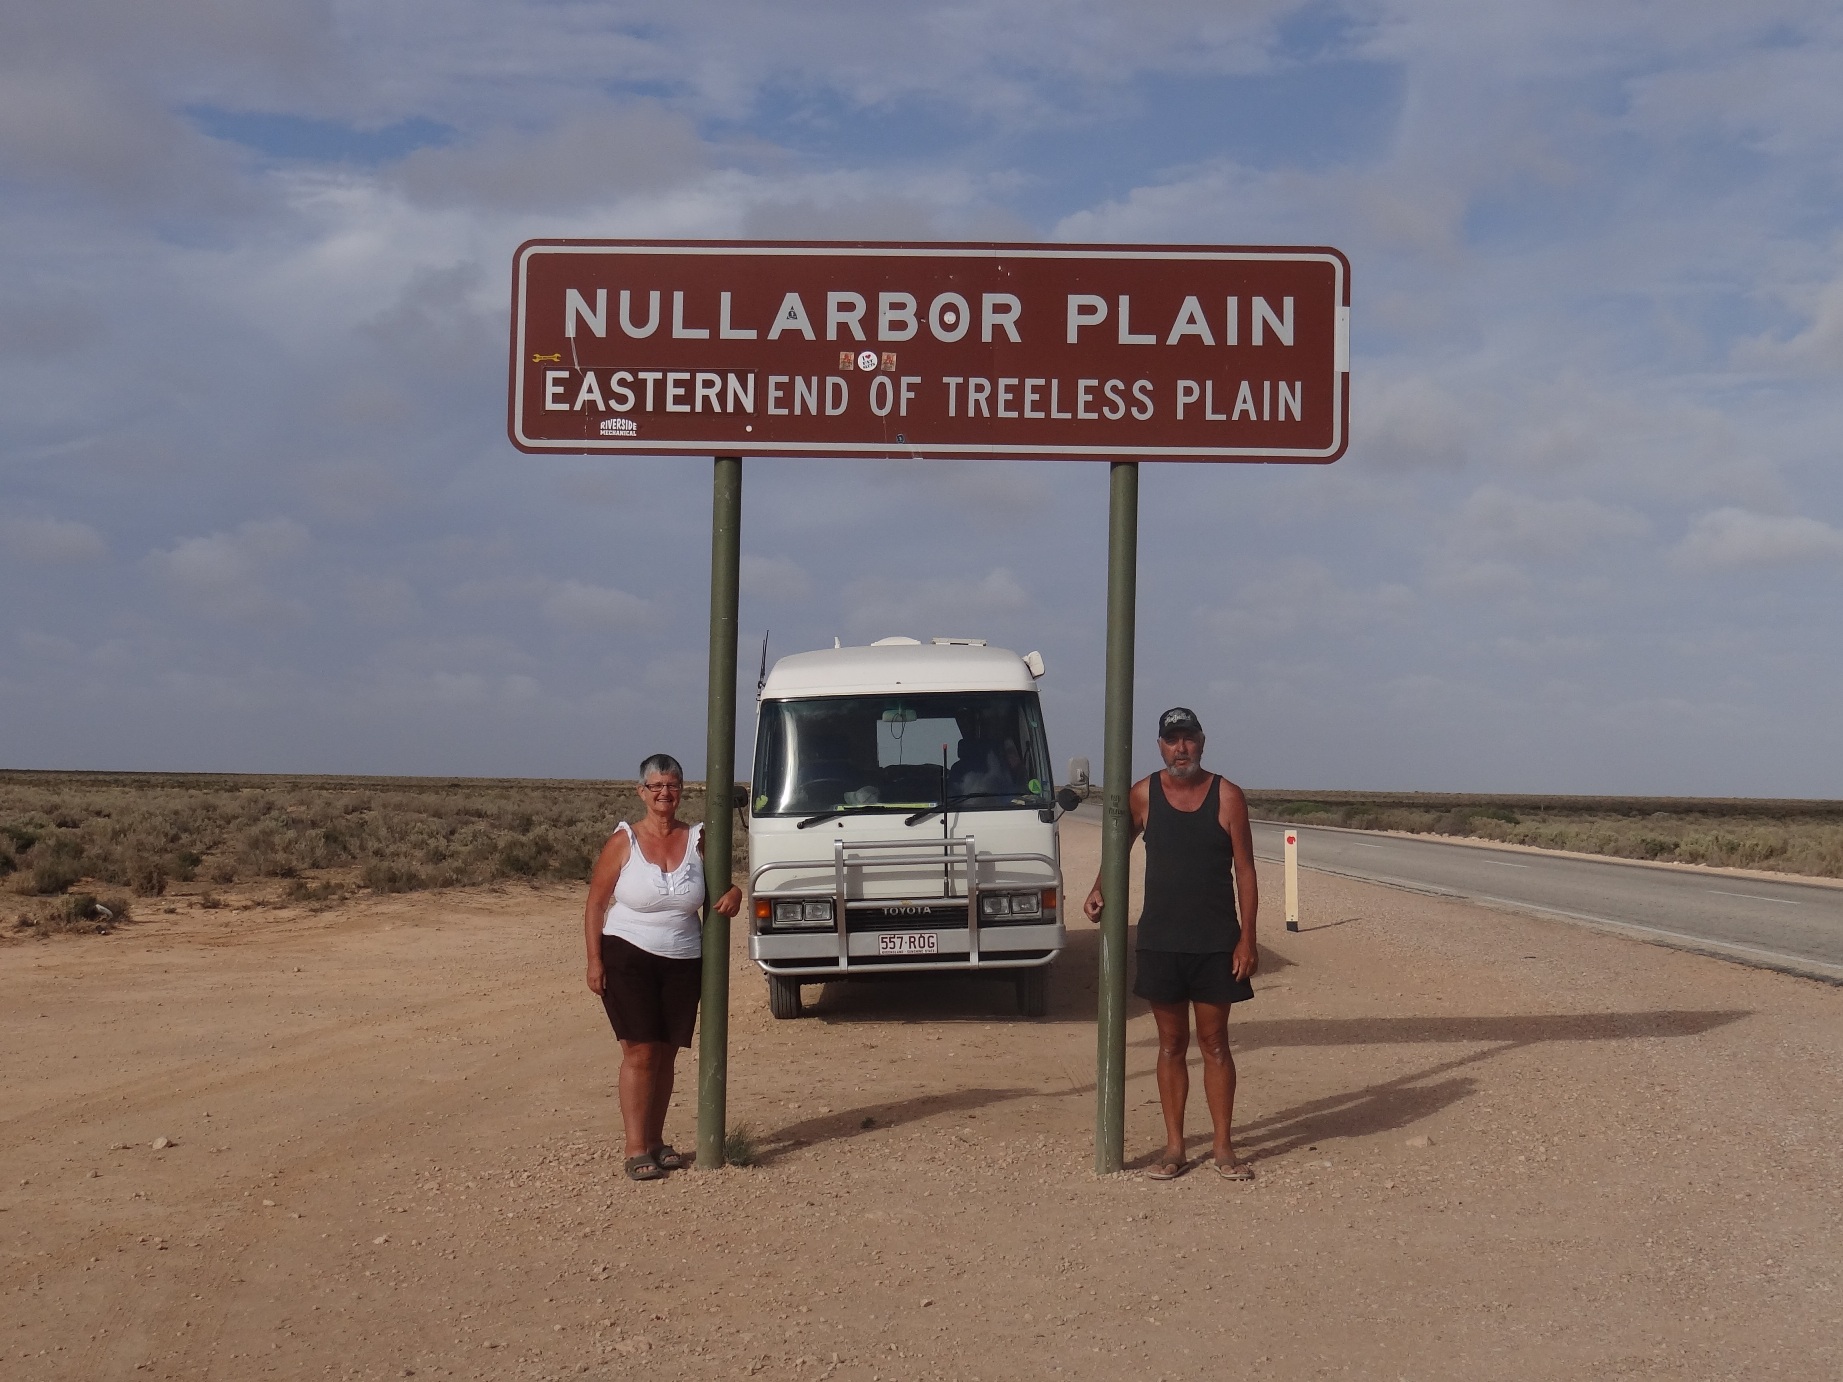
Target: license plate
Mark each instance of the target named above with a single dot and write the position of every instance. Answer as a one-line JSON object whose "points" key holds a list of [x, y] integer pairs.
{"points": [[909, 943]]}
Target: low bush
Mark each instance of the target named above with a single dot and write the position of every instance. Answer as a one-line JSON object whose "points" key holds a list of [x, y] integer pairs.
{"points": [[1786, 836], [74, 914]]}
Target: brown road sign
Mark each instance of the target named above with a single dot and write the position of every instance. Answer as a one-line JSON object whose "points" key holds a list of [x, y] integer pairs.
{"points": [[1187, 353]]}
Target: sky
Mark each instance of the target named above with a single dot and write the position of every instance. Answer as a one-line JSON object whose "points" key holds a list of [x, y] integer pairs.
{"points": [[258, 512]]}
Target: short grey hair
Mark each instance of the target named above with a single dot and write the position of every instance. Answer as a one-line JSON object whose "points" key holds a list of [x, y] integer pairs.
{"points": [[663, 764]]}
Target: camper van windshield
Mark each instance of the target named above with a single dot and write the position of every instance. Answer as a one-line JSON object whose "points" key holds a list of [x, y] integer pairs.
{"points": [[902, 753]]}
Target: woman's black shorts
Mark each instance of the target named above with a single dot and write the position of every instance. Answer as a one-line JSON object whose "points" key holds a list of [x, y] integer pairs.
{"points": [[1181, 976], [649, 997]]}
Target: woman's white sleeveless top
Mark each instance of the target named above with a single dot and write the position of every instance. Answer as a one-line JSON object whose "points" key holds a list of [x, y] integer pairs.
{"points": [[656, 910]]}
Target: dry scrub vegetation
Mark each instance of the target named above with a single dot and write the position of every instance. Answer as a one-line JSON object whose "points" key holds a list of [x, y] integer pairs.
{"points": [[1782, 836], [65, 838]]}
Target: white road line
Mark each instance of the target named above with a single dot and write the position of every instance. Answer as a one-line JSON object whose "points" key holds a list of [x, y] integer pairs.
{"points": [[1756, 897], [1500, 864], [1360, 845]]}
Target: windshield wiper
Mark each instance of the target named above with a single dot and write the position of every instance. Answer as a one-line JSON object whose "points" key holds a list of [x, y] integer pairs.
{"points": [[852, 810], [923, 815]]}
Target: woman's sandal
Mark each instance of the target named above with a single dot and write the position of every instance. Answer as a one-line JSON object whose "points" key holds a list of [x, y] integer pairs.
{"points": [[670, 1158], [643, 1167]]}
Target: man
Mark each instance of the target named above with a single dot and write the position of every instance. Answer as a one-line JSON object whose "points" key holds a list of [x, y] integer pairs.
{"points": [[1196, 944]]}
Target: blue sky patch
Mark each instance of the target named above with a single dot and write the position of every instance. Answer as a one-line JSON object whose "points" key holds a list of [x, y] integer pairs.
{"points": [[299, 137]]}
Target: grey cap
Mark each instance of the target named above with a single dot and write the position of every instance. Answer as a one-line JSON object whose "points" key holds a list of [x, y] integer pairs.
{"points": [[1178, 720]]}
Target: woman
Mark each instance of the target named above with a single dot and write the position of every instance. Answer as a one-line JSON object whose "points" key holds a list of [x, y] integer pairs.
{"points": [[644, 941]]}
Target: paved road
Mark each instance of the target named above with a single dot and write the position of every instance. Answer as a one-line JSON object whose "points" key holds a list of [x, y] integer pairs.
{"points": [[1780, 925]]}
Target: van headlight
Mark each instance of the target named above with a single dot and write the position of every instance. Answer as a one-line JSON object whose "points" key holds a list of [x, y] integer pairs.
{"points": [[803, 911], [1003, 906]]}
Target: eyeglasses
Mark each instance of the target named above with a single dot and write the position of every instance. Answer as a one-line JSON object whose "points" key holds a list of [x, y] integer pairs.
{"points": [[659, 789]]}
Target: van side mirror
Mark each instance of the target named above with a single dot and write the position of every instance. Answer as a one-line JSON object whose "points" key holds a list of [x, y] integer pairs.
{"points": [[1068, 798], [1078, 774]]}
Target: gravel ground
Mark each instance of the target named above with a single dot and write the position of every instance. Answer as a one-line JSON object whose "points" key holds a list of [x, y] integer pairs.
{"points": [[1487, 1147]]}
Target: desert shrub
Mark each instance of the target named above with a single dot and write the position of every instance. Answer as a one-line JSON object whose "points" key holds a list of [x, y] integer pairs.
{"points": [[75, 914], [54, 872], [1791, 836], [145, 832], [383, 877], [300, 890]]}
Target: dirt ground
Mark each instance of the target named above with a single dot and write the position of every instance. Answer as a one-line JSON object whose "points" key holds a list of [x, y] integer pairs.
{"points": [[1488, 1146]]}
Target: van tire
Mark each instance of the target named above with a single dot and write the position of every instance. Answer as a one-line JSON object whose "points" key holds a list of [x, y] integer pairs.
{"points": [[1033, 992], [784, 997]]}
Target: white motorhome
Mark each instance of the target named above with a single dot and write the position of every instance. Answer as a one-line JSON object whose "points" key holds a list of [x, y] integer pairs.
{"points": [[902, 819]]}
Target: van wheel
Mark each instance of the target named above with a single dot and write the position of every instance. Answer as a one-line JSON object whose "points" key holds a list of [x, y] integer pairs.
{"points": [[1033, 992], [784, 997]]}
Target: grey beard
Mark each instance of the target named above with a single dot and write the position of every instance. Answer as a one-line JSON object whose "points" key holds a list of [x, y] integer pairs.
{"points": [[1184, 774]]}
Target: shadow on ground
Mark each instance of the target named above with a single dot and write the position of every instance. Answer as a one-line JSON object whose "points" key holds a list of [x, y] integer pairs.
{"points": [[1393, 1105], [853, 1122]]}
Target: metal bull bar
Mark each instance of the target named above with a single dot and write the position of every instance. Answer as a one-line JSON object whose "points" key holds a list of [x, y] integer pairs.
{"points": [[960, 854]]}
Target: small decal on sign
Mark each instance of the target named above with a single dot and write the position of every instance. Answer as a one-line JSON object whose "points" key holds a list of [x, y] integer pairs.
{"points": [[620, 427], [889, 361], [846, 360], [867, 359]]}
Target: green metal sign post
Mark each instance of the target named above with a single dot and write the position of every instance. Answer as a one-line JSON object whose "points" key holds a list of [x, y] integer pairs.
{"points": [[1116, 817], [719, 809]]}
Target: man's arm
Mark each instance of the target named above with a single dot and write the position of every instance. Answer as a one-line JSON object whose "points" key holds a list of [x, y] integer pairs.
{"points": [[607, 872], [1234, 817], [1138, 802]]}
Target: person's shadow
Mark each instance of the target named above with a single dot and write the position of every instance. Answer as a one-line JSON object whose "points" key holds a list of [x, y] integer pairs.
{"points": [[1392, 1105]]}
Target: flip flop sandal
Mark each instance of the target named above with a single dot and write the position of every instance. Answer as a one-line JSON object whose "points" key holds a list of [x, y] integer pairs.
{"points": [[670, 1158], [1234, 1170], [643, 1168], [1164, 1169]]}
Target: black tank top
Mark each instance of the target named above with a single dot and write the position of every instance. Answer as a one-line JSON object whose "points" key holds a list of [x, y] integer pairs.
{"points": [[1189, 875]]}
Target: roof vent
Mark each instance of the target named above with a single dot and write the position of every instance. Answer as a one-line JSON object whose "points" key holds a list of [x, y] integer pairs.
{"points": [[957, 642], [898, 642]]}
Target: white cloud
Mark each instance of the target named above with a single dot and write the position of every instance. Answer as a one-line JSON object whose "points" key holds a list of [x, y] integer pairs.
{"points": [[1729, 539], [382, 601], [588, 158], [778, 580], [51, 541], [1499, 522], [582, 606], [224, 575], [1304, 596], [1407, 423], [1548, 650], [925, 607], [1819, 347]]}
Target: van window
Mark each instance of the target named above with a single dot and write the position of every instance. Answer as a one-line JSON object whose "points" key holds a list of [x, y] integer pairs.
{"points": [[981, 749]]}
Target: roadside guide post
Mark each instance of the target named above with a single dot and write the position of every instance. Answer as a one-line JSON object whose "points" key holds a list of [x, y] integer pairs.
{"points": [[719, 809], [1206, 353], [1116, 817], [1292, 879]]}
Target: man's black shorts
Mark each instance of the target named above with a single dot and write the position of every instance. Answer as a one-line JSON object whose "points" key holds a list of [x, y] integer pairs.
{"points": [[1181, 976], [649, 997]]}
